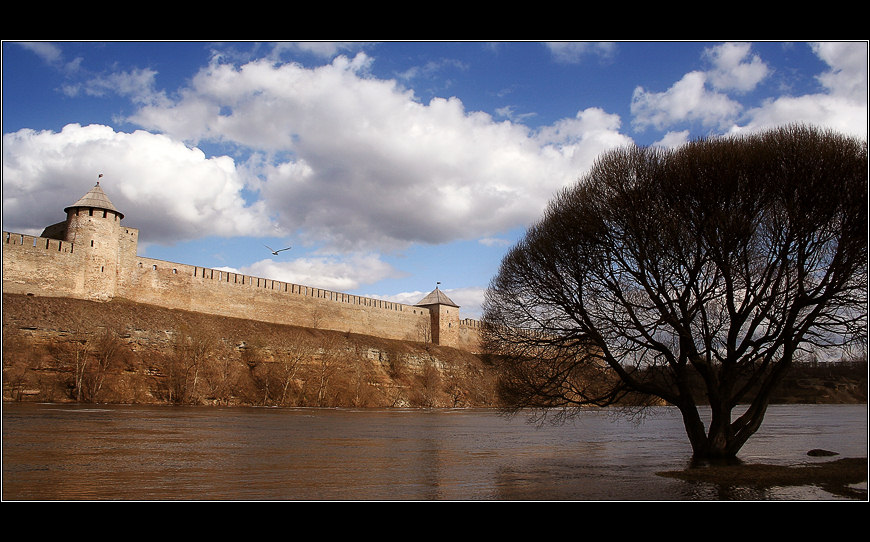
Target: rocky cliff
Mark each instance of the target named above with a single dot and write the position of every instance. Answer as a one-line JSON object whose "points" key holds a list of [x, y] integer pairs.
{"points": [[62, 349]]}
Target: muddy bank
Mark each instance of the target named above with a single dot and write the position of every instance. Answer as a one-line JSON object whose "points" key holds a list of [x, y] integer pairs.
{"points": [[61, 350], [845, 477]]}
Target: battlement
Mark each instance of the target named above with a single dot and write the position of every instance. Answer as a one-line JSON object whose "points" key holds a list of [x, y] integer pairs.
{"points": [[88, 257], [39, 243], [221, 276]]}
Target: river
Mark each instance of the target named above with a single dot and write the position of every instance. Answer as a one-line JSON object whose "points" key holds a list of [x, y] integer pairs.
{"points": [[143, 453]]}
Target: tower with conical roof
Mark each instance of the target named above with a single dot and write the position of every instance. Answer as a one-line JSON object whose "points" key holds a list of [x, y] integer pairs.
{"points": [[93, 226], [444, 317]]}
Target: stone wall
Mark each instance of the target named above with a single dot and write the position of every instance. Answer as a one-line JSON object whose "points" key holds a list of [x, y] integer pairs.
{"points": [[51, 267], [41, 266], [213, 291], [468, 337]]}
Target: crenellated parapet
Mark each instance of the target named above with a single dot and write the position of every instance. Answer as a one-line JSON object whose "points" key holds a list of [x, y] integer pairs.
{"points": [[92, 256]]}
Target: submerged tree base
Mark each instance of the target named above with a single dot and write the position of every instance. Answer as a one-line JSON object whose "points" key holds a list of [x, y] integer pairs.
{"points": [[835, 477]]}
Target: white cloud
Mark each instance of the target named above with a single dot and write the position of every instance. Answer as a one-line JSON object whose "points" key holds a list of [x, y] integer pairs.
{"points": [[166, 189], [366, 165], [335, 156], [328, 272], [847, 77], [688, 100], [322, 49], [673, 139], [843, 104], [470, 300], [138, 85], [572, 52], [700, 96], [48, 52], [735, 68]]}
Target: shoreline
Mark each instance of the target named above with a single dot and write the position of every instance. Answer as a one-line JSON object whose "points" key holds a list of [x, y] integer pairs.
{"points": [[841, 477]]}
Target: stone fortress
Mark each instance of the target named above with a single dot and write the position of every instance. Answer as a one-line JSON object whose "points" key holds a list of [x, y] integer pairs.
{"points": [[90, 255]]}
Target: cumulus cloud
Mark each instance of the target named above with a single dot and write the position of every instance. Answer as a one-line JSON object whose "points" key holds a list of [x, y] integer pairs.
{"points": [[330, 272], [847, 77], [331, 155], [842, 105], [170, 191], [470, 300], [688, 100], [360, 163], [735, 67], [673, 139], [703, 97]]}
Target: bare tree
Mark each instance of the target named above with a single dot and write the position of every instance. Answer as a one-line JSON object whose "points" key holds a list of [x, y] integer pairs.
{"points": [[74, 355], [325, 374], [19, 359], [253, 355], [191, 348], [220, 379], [298, 349], [716, 262], [106, 350], [325, 369]]}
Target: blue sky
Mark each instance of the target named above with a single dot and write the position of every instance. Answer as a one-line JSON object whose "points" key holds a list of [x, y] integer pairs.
{"points": [[387, 166]]}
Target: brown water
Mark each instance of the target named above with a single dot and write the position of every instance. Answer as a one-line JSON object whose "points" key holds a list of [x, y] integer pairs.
{"points": [[61, 452]]}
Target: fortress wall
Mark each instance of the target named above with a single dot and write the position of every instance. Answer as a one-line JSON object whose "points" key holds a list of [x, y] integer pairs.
{"points": [[52, 267], [43, 266], [231, 294], [469, 335]]}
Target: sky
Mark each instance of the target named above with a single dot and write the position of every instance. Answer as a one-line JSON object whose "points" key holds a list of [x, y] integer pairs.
{"points": [[388, 167]]}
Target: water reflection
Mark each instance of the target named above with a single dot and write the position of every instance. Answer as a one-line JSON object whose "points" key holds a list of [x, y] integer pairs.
{"points": [[162, 453]]}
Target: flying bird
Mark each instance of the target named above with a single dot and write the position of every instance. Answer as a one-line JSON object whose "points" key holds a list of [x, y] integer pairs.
{"points": [[275, 252]]}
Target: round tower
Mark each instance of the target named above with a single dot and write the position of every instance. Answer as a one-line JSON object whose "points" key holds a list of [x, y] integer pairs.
{"points": [[93, 226]]}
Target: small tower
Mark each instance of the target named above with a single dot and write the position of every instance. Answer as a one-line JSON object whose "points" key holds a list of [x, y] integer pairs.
{"points": [[92, 215], [444, 316], [93, 226]]}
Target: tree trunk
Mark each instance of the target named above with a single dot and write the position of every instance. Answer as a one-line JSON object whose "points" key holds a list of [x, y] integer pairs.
{"points": [[723, 439]]}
